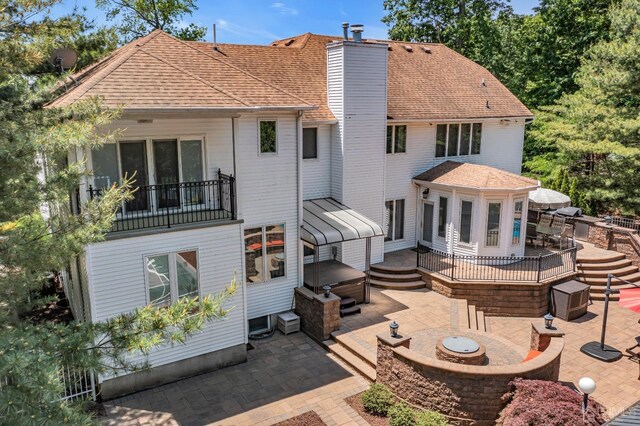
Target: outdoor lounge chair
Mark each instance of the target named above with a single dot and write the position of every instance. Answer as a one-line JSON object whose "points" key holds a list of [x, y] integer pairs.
{"points": [[543, 229]]}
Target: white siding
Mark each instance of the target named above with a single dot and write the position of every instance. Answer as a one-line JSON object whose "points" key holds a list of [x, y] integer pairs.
{"points": [[117, 280], [267, 194], [316, 172], [361, 110], [335, 99], [501, 146]]}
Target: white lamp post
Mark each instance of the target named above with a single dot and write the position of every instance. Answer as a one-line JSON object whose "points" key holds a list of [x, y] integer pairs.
{"points": [[587, 386]]}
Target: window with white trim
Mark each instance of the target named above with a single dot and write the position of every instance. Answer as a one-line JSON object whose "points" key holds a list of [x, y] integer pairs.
{"points": [[458, 139], [493, 224], [309, 143], [268, 136], [517, 222], [466, 210], [396, 139], [394, 211], [443, 205], [171, 276], [264, 250]]}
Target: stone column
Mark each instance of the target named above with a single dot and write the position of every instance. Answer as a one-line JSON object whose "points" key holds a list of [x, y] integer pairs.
{"points": [[319, 315]]}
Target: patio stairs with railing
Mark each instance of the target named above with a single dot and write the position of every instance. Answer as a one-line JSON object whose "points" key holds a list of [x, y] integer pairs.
{"points": [[353, 353], [396, 278], [594, 271]]}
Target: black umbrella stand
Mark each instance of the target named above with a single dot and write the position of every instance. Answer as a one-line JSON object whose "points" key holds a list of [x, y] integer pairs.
{"points": [[599, 350]]}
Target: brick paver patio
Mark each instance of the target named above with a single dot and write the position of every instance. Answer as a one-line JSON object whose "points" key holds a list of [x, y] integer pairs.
{"points": [[288, 375], [285, 376]]}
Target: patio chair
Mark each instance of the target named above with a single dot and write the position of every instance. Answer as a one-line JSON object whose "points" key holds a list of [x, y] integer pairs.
{"points": [[635, 355], [543, 229]]}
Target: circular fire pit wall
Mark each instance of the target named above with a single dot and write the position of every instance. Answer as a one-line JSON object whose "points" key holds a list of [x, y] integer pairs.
{"points": [[461, 350]]}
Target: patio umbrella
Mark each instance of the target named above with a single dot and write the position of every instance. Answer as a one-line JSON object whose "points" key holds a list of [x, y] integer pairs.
{"points": [[630, 299], [544, 198]]}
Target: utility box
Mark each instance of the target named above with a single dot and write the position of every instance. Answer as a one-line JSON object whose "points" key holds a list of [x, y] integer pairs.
{"points": [[288, 323], [570, 300]]}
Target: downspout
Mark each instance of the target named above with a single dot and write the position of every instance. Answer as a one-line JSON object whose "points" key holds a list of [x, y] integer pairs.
{"points": [[245, 318], [299, 200]]}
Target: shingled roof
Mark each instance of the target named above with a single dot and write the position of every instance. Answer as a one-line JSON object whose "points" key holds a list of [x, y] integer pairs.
{"points": [[475, 176], [426, 81]]}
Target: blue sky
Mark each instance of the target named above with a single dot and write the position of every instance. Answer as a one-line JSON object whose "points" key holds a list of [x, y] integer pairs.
{"points": [[262, 21]]}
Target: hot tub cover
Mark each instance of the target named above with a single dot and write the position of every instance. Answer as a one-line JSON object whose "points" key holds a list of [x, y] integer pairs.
{"points": [[326, 221]]}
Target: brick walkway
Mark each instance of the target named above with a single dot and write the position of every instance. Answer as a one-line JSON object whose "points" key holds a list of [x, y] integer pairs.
{"points": [[284, 376]]}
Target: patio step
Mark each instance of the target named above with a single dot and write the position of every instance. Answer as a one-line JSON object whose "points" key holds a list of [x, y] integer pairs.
{"points": [[473, 318], [352, 310], [392, 269], [598, 266], [602, 281], [352, 360], [388, 285], [602, 273], [462, 314], [611, 256], [366, 354], [347, 302], [395, 277]]}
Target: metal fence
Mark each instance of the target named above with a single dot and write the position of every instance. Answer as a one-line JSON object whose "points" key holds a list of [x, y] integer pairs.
{"points": [[76, 384], [625, 222], [497, 268], [166, 205]]}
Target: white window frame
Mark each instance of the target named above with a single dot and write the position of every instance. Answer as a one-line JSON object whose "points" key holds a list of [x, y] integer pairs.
{"points": [[260, 153], [486, 222], [173, 273], [446, 139], [460, 242], [446, 217], [148, 140], [393, 140], [513, 220], [264, 251], [317, 157], [394, 211]]}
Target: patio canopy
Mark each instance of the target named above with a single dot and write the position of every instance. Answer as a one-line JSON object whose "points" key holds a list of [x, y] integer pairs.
{"points": [[544, 199], [326, 221]]}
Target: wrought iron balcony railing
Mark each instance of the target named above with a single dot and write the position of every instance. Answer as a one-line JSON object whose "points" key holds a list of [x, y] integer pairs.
{"points": [[167, 205]]}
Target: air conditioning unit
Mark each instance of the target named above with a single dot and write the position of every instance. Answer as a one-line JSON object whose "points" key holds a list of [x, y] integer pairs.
{"points": [[288, 323]]}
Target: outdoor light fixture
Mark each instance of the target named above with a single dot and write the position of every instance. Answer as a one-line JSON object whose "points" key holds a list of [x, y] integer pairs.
{"points": [[425, 193], [608, 220], [548, 321], [393, 329], [587, 386], [327, 291]]}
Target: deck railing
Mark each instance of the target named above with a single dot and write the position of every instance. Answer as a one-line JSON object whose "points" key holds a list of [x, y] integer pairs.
{"points": [[76, 384], [497, 268], [167, 205], [625, 222]]}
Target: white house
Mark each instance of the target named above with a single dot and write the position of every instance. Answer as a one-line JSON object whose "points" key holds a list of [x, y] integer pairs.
{"points": [[241, 152]]}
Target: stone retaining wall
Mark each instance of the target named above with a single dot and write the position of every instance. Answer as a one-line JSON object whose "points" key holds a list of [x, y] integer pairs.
{"points": [[466, 394], [497, 299], [615, 238]]}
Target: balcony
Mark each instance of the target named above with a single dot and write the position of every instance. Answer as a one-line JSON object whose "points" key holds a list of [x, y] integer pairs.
{"points": [[171, 205]]}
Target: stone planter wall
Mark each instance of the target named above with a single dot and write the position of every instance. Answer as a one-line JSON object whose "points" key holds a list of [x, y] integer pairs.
{"points": [[466, 394], [615, 238], [503, 299], [319, 316]]}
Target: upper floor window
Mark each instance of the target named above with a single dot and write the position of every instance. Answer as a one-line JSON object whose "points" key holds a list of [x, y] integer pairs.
{"points": [[172, 276], [148, 161], [396, 139], [395, 220], [268, 136], [264, 250], [458, 139], [309, 143]]}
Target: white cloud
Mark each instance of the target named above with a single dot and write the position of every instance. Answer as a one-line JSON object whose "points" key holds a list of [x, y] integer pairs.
{"points": [[284, 9], [244, 32]]}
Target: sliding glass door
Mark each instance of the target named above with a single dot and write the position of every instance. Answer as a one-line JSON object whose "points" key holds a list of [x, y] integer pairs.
{"points": [[167, 172], [133, 161]]}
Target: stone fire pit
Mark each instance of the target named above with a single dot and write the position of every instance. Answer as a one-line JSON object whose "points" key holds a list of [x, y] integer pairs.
{"points": [[461, 350]]}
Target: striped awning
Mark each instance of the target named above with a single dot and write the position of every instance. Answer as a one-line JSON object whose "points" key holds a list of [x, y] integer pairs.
{"points": [[326, 221]]}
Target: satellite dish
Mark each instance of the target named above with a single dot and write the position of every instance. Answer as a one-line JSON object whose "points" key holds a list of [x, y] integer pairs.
{"points": [[63, 58]]}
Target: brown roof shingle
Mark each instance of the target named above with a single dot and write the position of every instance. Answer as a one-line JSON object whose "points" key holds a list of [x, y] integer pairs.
{"points": [[475, 176], [426, 82]]}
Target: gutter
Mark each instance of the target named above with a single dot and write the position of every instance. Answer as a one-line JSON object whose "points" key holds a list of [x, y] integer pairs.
{"points": [[448, 187]]}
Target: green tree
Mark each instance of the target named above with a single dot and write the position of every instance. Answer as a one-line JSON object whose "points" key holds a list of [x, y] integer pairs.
{"points": [[597, 128], [464, 25], [140, 17], [35, 142]]}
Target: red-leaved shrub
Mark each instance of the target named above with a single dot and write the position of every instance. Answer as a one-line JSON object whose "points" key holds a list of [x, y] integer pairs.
{"points": [[541, 402]]}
